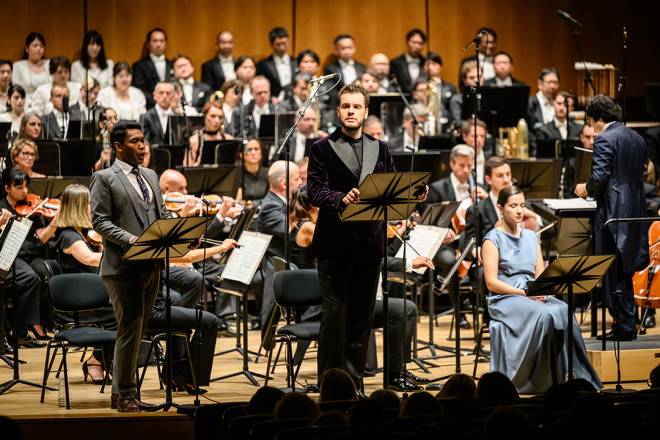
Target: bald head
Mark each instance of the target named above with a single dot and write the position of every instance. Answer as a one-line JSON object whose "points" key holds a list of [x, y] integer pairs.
{"points": [[173, 181], [277, 177]]}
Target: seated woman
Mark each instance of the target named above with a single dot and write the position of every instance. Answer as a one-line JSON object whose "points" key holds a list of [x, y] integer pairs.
{"points": [[24, 153], [255, 176], [31, 127], [15, 108], [214, 130], [77, 255], [527, 334], [302, 223]]}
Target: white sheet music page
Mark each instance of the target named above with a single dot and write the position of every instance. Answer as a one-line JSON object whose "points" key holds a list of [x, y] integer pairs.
{"points": [[13, 242], [244, 261], [425, 240], [574, 203]]}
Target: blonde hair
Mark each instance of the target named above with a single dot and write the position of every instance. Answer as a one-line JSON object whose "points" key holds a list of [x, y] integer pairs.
{"points": [[18, 146], [74, 209]]}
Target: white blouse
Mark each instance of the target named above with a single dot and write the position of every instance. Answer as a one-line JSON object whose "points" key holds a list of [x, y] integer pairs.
{"points": [[27, 79], [103, 76], [132, 108]]}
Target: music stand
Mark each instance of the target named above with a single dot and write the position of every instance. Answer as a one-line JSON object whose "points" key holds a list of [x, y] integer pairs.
{"points": [[11, 241], [436, 142], [500, 106], [538, 178], [583, 164], [51, 187], [177, 153], [435, 162], [385, 197], [389, 109], [221, 152], [218, 179], [181, 127], [78, 157], [161, 240], [569, 275]]}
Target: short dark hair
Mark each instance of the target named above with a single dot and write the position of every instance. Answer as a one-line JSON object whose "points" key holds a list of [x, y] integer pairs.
{"points": [[4, 61], [494, 162], [416, 31], [467, 126], [121, 66], [14, 88], [30, 38], [435, 57], [604, 108], [151, 31], [342, 37], [310, 53], [240, 60], [506, 54], [89, 38], [507, 192], [57, 62], [15, 176], [547, 71], [178, 56], [418, 82], [277, 32], [118, 133], [354, 88]]}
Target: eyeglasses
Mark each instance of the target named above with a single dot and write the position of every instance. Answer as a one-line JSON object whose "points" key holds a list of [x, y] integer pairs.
{"points": [[27, 155]]}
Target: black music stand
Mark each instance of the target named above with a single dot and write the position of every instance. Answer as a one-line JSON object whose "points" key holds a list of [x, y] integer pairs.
{"points": [[385, 197], [11, 241], [436, 142], [435, 162], [51, 187], [221, 152], [163, 239], [569, 275], [538, 178], [500, 106], [221, 179]]}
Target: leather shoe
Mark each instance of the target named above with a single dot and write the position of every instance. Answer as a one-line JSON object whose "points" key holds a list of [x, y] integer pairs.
{"points": [[114, 398], [401, 383], [29, 342], [8, 349], [620, 336], [144, 406], [128, 405], [414, 378], [649, 321]]}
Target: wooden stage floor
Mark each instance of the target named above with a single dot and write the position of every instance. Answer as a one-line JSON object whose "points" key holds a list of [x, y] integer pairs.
{"points": [[22, 402]]}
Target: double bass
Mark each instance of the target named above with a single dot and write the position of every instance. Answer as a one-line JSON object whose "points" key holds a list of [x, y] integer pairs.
{"points": [[646, 285]]}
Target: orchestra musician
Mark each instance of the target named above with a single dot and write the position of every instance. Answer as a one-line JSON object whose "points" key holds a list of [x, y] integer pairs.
{"points": [[24, 153], [214, 130]]}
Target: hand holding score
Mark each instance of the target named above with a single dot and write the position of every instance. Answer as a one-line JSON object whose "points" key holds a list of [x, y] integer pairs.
{"points": [[581, 190], [351, 197]]}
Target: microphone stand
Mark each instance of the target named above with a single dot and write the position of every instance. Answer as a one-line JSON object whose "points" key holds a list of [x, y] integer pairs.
{"points": [[406, 103], [622, 87], [588, 80], [284, 148]]}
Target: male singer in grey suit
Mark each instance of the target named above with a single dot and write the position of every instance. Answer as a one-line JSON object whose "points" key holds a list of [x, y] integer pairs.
{"points": [[125, 200]]}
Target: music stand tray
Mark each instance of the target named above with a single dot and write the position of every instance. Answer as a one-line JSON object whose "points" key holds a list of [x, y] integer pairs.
{"points": [[51, 187], [570, 275], [218, 179], [539, 178], [439, 214], [384, 197], [165, 238]]}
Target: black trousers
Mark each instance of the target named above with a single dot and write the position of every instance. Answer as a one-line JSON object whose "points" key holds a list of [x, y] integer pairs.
{"points": [[348, 294], [399, 347], [202, 346], [29, 291]]}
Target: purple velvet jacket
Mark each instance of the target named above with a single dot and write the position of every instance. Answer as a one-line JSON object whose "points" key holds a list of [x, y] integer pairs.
{"points": [[329, 178]]}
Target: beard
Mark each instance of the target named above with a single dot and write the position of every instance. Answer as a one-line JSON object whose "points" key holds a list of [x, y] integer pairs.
{"points": [[353, 125]]}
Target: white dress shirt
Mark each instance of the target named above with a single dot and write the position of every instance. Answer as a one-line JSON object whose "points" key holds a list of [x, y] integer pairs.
{"points": [[563, 129], [163, 114], [461, 190], [408, 140], [132, 108], [481, 165], [547, 109], [506, 82], [227, 66], [283, 66], [487, 67], [299, 152], [103, 76], [126, 168], [348, 73], [493, 199], [257, 112], [246, 97], [160, 64], [62, 122], [30, 81], [228, 112], [187, 87], [413, 68], [383, 86]]}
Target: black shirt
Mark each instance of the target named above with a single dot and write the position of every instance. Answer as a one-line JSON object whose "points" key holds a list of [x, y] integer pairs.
{"points": [[255, 186], [302, 257], [65, 239]]}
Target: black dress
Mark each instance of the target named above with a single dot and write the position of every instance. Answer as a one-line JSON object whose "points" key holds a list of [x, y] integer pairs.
{"points": [[302, 257], [65, 239], [255, 186]]}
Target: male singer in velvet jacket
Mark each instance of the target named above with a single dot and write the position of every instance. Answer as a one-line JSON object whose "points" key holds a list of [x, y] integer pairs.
{"points": [[619, 155], [349, 253]]}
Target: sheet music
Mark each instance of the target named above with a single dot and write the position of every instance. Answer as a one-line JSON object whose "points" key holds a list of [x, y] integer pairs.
{"points": [[13, 242], [426, 240], [575, 203], [244, 261]]}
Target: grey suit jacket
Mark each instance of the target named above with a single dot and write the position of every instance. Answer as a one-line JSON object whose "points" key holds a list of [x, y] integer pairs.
{"points": [[49, 122], [117, 214], [153, 131]]}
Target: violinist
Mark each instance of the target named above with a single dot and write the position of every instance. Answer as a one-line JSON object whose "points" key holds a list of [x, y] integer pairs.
{"points": [[31, 291], [24, 154], [214, 130]]}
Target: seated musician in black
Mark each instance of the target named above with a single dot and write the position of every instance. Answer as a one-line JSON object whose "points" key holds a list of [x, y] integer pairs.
{"points": [[31, 302], [255, 176]]}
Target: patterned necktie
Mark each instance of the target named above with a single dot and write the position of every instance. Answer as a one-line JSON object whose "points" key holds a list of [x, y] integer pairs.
{"points": [[141, 184]]}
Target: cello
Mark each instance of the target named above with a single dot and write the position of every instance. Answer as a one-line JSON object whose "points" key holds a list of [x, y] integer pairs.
{"points": [[646, 285]]}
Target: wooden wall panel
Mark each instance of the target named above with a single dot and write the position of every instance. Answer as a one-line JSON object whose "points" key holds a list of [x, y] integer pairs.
{"points": [[530, 30]]}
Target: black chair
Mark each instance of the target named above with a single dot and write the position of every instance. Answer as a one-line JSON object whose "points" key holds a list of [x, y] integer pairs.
{"points": [[240, 427], [370, 435], [75, 293], [268, 430], [308, 432], [337, 405], [295, 289], [230, 413], [155, 337], [448, 428], [410, 423]]}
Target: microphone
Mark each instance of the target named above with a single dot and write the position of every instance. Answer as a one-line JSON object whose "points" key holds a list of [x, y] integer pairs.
{"points": [[322, 79], [566, 16], [410, 148], [476, 40]]}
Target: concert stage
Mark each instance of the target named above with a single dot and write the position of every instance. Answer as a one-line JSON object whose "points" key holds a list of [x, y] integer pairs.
{"points": [[637, 358], [91, 416]]}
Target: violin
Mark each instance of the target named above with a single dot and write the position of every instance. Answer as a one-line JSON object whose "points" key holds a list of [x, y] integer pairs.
{"points": [[205, 205], [33, 204], [94, 238], [646, 286]]}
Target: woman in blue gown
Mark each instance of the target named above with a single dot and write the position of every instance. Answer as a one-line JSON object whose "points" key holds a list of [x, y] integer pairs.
{"points": [[527, 334]]}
